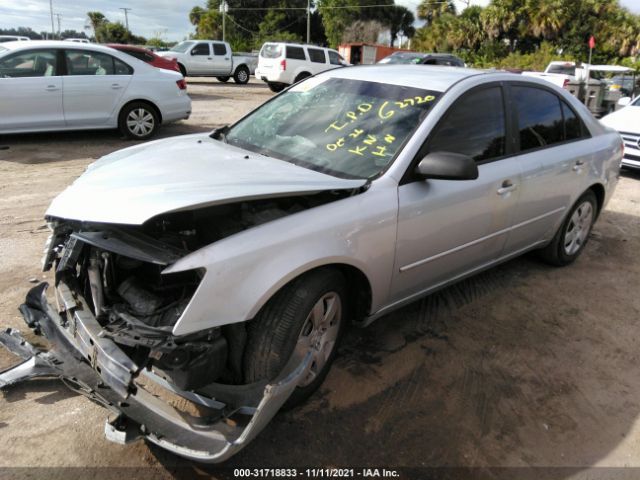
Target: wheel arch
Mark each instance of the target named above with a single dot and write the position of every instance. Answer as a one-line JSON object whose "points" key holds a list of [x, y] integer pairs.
{"points": [[142, 100], [358, 287], [301, 76], [600, 193]]}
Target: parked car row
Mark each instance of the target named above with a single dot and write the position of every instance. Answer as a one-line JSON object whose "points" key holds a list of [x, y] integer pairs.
{"points": [[57, 85]]}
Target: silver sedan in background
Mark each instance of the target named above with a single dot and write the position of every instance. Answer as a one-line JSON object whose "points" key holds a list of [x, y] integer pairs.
{"points": [[57, 85], [223, 268]]}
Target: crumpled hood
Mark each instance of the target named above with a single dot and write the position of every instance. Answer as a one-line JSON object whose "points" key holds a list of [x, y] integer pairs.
{"points": [[135, 184]]}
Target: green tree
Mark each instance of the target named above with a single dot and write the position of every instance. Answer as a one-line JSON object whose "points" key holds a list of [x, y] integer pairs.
{"points": [[96, 20], [430, 10], [399, 19]]}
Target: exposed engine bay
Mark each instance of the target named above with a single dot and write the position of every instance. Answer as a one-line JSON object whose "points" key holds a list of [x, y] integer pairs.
{"points": [[118, 270]]}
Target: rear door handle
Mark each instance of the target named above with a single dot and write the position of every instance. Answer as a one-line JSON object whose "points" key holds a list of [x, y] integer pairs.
{"points": [[52, 88], [116, 86], [578, 164], [507, 186]]}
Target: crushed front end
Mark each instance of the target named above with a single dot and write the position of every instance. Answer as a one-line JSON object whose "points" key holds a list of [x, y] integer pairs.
{"points": [[110, 330]]}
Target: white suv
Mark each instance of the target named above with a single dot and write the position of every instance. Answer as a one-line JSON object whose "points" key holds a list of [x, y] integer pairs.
{"points": [[283, 64]]}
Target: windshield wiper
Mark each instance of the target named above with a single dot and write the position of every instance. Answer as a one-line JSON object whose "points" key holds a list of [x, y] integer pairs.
{"points": [[220, 133]]}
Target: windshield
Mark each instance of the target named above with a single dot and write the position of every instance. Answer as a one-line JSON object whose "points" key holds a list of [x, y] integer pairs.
{"points": [[404, 58], [346, 128], [182, 47]]}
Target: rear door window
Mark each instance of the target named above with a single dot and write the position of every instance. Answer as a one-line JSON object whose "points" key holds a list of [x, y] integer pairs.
{"points": [[317, 55], [34, 63], [219, 49], [295, 53], [474, 126], [539, 117], [87, 62]]}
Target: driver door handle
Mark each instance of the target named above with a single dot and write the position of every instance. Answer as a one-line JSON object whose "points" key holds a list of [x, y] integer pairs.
{"points": [[507, 186]]}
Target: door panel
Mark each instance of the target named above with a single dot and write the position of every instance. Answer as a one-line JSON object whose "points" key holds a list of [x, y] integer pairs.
{"points": [[447, 228], [92, 90], [31, 91], [200, 59], [221, 59], [551, 168]]}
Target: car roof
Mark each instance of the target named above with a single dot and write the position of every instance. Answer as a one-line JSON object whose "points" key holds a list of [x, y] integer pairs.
{"points": [[436, 78], [122, 46], [299, 45], [54, 44]]}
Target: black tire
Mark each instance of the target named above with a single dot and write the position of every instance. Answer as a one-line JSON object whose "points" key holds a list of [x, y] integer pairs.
{"points": [[223, 79], [183, 70], [287, 318], [241, 75], [148, 125], [301, 76], [572, 236], [276, 87]]}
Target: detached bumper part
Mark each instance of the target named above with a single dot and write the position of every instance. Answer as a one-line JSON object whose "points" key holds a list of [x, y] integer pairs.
{"points": [[98, 368]]}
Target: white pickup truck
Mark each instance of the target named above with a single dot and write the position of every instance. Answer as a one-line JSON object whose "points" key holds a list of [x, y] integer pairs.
{"points": [[561, 73], [211, 58]]}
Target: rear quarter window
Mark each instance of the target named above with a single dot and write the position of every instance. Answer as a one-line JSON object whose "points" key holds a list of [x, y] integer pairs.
{"points": [[316, 55], [295, 53]]}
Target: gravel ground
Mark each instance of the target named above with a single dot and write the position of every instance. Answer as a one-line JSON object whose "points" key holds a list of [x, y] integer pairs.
{"points": [[522, 366]]}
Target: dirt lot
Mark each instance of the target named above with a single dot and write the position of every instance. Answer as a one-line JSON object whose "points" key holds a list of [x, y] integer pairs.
{"points": [[525, 365]]}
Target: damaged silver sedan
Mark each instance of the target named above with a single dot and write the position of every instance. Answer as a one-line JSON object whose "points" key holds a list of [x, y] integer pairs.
{"points": [[202, 282]]}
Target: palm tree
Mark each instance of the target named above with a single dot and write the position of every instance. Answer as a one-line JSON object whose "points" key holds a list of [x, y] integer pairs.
{"points": [[97, 20], [196, 14], [429, 10], [546, 17]]}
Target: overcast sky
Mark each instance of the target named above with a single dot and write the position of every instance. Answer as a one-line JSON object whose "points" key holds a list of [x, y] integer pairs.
{"points": [[168, 18]]}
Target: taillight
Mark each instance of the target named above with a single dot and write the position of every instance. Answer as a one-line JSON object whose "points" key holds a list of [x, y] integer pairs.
{"points": [[565, 83], [283, 65], [182, 85]]}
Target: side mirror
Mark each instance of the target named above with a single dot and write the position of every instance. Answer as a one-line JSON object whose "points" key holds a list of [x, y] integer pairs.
{"points": [[624, 101], [447, 166]]}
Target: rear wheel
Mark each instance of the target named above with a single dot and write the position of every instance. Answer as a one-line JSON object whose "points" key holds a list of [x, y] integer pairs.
{"points": [[308, 315], [276, 87], [138, 120], [223, 79], [241, 75], [301, 77], [573, 234]]}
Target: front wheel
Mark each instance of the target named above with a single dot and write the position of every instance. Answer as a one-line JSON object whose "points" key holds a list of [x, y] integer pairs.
{"points": [[308, 315], [138, 120], [573, 234], [241, 75]]}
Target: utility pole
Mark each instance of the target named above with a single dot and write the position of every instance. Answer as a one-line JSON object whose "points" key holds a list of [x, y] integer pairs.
{"points": [[308, 21], [53, 29], [126, 16], [58, 15], [223, 9]]}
